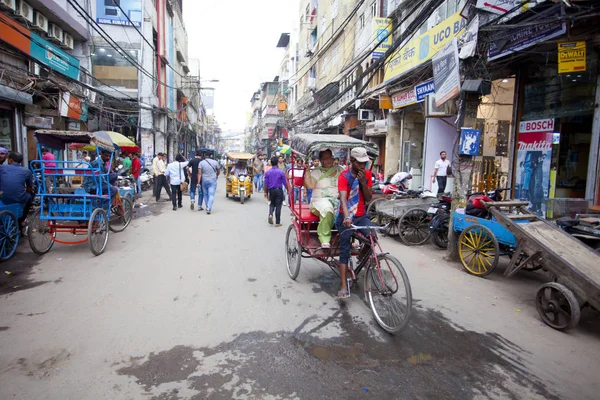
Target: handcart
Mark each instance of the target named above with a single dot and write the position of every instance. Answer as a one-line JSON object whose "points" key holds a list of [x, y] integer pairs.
{"points": [[533, 243]]}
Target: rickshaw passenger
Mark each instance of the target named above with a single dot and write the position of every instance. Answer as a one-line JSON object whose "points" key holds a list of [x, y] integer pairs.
{"points": [[16, 183], [354, 186], [239, 169], [89, 183], [323, 181]]}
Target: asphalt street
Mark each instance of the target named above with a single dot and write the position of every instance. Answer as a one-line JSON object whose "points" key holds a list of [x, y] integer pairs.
{"points": [[185, 305]]}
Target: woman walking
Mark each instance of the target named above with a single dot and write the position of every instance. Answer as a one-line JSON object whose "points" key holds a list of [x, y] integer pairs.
{"points": [[176, 177]]}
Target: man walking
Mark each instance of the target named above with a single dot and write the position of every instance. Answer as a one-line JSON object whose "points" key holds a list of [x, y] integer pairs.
{"points": [[193, 168], [208, 172], [258, 173], [441, 172], [161, 179], [275, 181], [136, 170]]}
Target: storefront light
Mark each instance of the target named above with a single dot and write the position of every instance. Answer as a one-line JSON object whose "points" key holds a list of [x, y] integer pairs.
{"points": [[102, 50], [109, 55]]}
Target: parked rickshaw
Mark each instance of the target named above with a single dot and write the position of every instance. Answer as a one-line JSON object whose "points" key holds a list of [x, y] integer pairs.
{"points": [[532, 243], [9, 229], [72, 211], [241, 186], [386, 285]]}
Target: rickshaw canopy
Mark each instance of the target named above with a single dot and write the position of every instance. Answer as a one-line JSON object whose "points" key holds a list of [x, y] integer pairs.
{"points": [[58, 139], [240, 156], [306, 144]]}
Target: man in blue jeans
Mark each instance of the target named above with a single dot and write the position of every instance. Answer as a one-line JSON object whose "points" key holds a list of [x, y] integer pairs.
{"points": [[354, 186], [208, 172], [194, 174]]}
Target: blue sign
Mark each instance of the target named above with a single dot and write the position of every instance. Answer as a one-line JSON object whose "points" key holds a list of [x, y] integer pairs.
{"points": [[470, 141], [423, 89], [53, 57], [115, 12]]}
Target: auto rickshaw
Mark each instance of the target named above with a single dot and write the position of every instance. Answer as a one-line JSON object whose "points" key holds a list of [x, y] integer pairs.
{"points": [[242, 185]]}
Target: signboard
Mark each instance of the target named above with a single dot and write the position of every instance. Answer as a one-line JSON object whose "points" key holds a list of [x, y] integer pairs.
{"points": [[534, 154], [467, 41], [423, 89], [38, 48], [72, 106], [403, 99], [470, 141], [514, 40], [39, 122], [571, 57], [382, 28], [446, 74], [497, 6], [540, 125], [115, 12], [422, 48]]}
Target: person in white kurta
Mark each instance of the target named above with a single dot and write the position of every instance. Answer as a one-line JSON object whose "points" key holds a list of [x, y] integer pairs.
{"points": [[323, 181]]}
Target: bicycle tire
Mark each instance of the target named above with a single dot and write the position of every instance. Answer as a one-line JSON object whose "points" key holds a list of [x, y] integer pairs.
{"points": [[373, 286]]}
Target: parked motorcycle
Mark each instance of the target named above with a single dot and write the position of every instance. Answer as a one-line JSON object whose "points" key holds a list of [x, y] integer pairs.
{"points": [[147, 180], [440, 222]]}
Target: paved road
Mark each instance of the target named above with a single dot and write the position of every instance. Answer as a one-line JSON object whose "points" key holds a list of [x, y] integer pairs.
{"points": [[185, 305]]}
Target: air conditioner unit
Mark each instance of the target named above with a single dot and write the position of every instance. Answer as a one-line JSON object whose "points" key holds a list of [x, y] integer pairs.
{"points": [[38, 70], [366, 115], [67, 41], [8, 5], [24, 11], [55, 33], [40, 22]]}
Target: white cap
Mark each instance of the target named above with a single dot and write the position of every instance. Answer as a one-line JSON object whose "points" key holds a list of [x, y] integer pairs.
{"points": [[359, 154]]}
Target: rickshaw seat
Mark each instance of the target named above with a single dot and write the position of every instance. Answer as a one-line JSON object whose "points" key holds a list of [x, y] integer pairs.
{"points": [[305, 214]]}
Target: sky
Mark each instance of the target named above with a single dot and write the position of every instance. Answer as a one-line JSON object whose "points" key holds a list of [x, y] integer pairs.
{"points": [[235, 42]]}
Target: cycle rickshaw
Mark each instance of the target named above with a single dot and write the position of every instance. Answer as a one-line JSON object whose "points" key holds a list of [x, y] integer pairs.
{"points": [[72, 211], [9, 229], [386, 285]]}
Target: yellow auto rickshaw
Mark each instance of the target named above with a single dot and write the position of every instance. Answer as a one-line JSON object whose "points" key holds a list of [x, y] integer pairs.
{"points": [[239, 174]]}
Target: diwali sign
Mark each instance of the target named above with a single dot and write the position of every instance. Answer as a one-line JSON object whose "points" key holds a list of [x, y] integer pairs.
{"points": [[534, 155]]}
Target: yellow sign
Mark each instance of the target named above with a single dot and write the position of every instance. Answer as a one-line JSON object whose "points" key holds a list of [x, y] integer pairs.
{"points": [[571, 57], [382, 28], [422, 48]]}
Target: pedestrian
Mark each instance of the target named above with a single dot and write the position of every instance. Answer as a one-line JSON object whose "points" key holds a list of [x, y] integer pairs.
{"points": [[3, 156], [174, 172], [126, 161], [336, 161], [136, 171], [85, 157], [161, 180], [441, 172], [208, 174], [275, 181], [259, 169], [195, 182]]}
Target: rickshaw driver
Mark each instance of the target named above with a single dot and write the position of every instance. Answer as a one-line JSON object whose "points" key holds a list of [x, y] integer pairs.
{"points": [[323, 181], [354, 186], [239, 169], [89, 184]]}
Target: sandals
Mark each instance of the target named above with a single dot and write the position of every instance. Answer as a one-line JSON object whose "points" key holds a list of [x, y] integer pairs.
{"points": [[343, 294]]}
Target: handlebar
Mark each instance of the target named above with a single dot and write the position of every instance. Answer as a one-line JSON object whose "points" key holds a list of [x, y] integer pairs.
{"points": [[372, 227]]}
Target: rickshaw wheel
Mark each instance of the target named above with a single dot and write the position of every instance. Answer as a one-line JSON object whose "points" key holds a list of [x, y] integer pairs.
{"points": [[293, 252], [98, 228], [9, 234], [227, 195], [557, 305], [388, 292], [41, 239], [242, 199], [413, 227], [122, 216], [478, 250]]}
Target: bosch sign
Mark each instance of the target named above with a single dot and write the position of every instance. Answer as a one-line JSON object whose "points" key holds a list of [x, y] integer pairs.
{"points": [[541, 125]]}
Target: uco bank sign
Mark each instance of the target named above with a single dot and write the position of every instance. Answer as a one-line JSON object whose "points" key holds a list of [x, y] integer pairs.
{"points": [[540, 125]]}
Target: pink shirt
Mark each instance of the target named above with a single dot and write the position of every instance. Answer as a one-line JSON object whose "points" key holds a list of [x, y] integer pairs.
{"points": [[49, 157]]}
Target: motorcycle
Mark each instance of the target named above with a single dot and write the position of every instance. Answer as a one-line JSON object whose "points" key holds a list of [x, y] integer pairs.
{"points": [[147, 180], [440, 222]]}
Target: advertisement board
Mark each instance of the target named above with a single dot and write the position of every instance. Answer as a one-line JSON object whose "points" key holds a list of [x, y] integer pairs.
{"points": [[423, 89], [422, 48], [403, 99], [382, 28], [571, 57], [72, 106], [446, 74], [115, 12]]}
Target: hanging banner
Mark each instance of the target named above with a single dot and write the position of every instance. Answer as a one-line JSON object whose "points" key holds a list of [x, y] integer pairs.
{"points": [[446, 74], [382, 31], [422, 48], [571, 57], [534, 155]]}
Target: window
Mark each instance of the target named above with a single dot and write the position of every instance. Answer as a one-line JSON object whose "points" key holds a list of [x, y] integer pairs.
{"points": [[115, 68], [374, 9], [361, 21], [6, 129], [334, 9]]}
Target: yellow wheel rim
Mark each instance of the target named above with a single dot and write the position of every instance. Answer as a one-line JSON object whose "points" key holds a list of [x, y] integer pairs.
{"points": [[477, 251]]}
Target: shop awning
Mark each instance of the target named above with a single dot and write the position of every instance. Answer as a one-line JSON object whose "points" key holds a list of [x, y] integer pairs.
{"points": [[14, 95]]}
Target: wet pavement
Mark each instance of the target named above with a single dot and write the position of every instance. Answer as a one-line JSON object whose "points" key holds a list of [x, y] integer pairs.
{"points": [[185, 305]]}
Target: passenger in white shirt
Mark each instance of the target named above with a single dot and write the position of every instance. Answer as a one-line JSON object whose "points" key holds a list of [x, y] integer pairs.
{"points": [[176, 176], [400, 180], [441, 172]]}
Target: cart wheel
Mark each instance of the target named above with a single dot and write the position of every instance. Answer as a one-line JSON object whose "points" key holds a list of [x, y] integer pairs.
{"points": [[373, 210], [98, 228], [557, 306], [414, 227], [41, 237], [388, 292], [9, 234], [227, 195], [478, 250], [122, 215], [293, 252], [440, 236]]}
